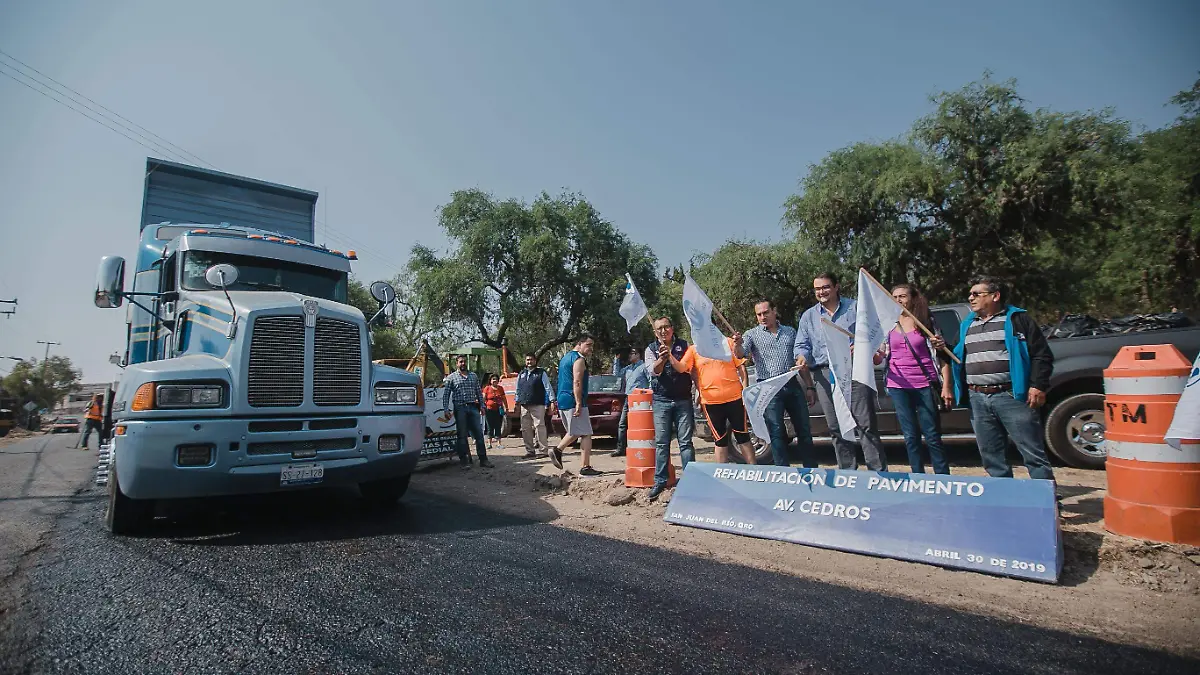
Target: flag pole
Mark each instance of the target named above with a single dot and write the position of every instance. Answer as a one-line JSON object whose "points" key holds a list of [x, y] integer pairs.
{"points": [[912, 316], [836, 327], [722, 319]]}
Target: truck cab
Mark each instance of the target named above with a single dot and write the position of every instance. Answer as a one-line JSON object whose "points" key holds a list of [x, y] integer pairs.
{"points": [[246, 371]]}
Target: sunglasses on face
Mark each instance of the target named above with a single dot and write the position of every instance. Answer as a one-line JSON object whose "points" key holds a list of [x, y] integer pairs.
{"points": [[976, 294]]}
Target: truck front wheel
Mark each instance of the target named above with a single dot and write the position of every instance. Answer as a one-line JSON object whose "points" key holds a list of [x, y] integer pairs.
{"points": [[126, 516], [1075, 431], [382, 494]]}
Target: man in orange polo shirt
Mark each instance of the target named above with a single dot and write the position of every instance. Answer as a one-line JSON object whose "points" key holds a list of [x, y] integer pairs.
{"points": [[720, 399]]}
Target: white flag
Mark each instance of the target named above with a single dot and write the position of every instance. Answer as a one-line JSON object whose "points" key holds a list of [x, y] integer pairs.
{"points": [[877, 315], [632, 306], [758, 396], [708, 340], [837, 343], [1185, 426]]}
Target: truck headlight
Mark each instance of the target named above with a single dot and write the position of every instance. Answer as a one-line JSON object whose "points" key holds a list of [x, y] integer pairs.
{"points": [[396, 394], [189, 396]]}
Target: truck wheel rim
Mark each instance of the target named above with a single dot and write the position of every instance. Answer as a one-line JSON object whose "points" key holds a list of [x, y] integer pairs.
{"points": [[1085, 431]]}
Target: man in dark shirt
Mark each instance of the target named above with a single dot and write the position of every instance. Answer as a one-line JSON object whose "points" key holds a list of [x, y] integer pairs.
{"points": [[1006, 367], [673, 412]]}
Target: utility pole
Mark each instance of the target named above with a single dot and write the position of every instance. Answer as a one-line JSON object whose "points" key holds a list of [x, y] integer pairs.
{"points": [[48, 345], [9, 312]]}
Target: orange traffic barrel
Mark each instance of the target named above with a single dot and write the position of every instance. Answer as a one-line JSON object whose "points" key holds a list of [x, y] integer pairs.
{"points": [[1153, 489], [639, 452]]}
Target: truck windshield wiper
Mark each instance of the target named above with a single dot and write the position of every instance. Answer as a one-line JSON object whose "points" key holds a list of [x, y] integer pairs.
{"points": [[259, 284]]}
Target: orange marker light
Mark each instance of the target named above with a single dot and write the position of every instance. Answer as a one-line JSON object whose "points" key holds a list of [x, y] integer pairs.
{"points": [[336, 252], [272, 238], [119, 430], [255, 236], [352, 255], [144, 398], [290, 241], [199, 231]]}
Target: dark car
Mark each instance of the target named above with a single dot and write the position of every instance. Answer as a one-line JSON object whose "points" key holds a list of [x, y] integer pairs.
{"points": [[65, 425], [605, 399]]}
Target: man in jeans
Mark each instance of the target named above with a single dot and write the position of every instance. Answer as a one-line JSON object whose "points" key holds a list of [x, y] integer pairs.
{"points": [[1006, 367], [811, 352], [466, 396], [533, 395], [770, 345], [633, 376], [673, 412]]}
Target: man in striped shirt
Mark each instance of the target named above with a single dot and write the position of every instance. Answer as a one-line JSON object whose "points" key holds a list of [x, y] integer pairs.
{"points": [[1006, 371]]}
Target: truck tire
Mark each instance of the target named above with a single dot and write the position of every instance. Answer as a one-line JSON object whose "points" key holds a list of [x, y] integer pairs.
{"points": [[383, 494], [1075, 431], [126, 516]]}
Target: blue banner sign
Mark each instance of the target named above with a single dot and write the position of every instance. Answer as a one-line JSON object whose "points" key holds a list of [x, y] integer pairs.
{"points": [[1001, 526]]}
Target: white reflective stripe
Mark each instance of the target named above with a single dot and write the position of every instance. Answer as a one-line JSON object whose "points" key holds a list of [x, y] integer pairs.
{"points": [[1144, 386], [645, 405], [1153, 452], [640, 444]]}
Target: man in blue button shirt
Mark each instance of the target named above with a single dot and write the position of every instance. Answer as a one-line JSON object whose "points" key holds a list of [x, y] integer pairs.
{"points": [[811, 353], [633, 376]]}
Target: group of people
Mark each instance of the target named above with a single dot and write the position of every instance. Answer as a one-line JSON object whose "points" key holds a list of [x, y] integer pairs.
{"points": [[1002, 370]]}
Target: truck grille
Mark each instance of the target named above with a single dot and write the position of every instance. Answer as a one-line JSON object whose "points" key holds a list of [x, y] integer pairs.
{"points": [[276, 373], [337, 363]]}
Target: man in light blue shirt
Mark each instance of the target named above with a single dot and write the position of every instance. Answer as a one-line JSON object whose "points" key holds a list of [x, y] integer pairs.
{"points": [[633, 376], [812, 353]]}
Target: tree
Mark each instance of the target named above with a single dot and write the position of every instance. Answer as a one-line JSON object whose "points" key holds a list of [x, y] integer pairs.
{"points": [[542, 272], [1152, 260], [26, 382], [979, 186], [412, 323], [741, 273]]}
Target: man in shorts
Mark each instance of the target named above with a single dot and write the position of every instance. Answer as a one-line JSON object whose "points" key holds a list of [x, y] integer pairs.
{"points": [[720, 385], [572, 406]]}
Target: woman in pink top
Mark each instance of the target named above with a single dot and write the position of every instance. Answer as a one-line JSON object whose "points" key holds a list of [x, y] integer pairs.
{"points": [[913, 384]]}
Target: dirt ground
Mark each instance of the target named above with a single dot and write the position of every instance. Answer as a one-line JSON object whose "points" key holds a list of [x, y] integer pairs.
{"points": [[16, 435], [1114, 587]]}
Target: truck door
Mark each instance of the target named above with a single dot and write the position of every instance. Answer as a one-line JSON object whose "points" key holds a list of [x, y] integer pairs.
{"points": [[141, 322]]}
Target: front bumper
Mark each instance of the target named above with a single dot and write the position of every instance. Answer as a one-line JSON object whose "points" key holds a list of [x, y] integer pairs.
{"points": [[146, 466]]}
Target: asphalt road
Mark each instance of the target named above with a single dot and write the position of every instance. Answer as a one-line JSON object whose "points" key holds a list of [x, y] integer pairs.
{"points": [[310, 583]]}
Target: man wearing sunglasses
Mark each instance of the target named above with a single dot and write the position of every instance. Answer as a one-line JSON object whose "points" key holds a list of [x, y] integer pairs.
{"points": [[1006, 367]]}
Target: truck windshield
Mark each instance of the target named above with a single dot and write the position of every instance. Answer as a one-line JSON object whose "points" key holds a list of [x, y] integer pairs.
{"points": [[265, 274]]}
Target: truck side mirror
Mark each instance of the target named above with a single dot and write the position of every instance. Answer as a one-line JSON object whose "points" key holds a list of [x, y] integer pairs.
{"points": [[110, 282], [385, 295]]}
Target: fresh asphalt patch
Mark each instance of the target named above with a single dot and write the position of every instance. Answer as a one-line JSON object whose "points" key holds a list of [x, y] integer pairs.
{"points": [[311, 582]]}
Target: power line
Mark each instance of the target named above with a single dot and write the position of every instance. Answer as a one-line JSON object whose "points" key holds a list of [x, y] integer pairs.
{"points": [[160, 146], [64, 89], [85, 113]]}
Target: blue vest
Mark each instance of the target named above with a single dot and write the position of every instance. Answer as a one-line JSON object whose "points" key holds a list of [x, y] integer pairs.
{"points": [[530, 388], [566, 380], [1018, 357], [672, 385]]}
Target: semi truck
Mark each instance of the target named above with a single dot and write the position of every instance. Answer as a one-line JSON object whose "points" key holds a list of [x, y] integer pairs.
{"points": [[245, 368]]}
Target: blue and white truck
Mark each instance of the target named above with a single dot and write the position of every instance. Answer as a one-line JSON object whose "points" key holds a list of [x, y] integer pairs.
{"points": [[246, 370]]}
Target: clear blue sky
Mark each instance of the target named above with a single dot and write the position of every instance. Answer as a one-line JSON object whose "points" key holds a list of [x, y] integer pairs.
{"points": [[685, 123]]}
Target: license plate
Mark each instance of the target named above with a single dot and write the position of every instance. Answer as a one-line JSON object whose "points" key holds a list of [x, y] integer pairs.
{"points": [[301, 474]]}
